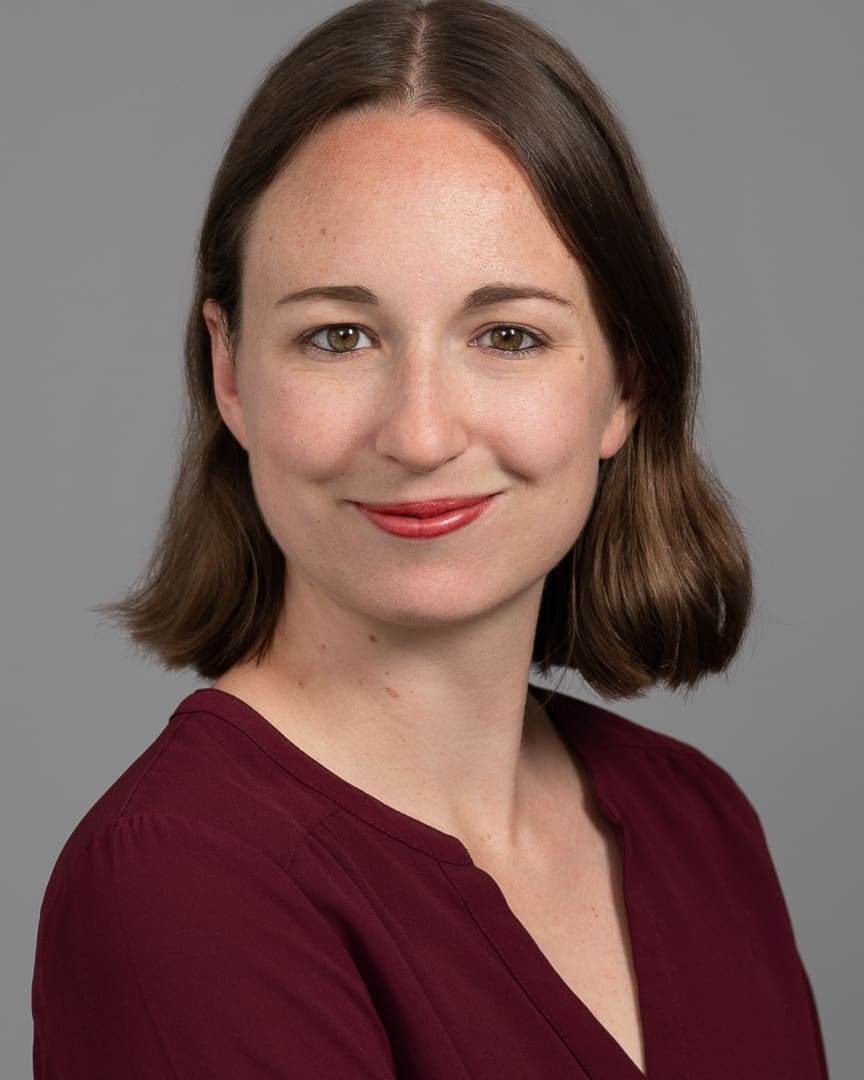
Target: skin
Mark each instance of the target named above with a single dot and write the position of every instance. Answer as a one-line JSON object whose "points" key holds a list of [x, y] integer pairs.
{"points": [[403, 665]]}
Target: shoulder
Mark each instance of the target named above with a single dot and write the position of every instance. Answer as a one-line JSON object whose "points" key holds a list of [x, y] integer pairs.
{"points": [[214, 772], [175, 932], [669, 796], [195, 840], [600, 725], [637, 768], [173, 945]]}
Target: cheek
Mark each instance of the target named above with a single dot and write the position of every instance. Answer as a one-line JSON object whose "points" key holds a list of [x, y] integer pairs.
{"points": [[303, 430], [551, 430]]}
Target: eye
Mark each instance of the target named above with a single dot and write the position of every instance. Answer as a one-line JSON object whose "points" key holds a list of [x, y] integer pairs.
{"points": [[511, 339], [341, 338]]}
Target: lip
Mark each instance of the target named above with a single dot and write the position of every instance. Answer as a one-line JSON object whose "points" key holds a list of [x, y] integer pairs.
{"points": [[425, 520]]}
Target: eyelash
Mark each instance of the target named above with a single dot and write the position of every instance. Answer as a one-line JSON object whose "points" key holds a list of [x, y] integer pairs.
{"points": [[529, 350], [306, 339]]}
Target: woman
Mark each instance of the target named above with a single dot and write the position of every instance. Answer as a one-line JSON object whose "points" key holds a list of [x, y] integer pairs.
{"points": [[441, 371]]}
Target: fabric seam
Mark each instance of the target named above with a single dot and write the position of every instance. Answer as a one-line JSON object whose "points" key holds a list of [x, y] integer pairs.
{"points": [[331, 798]]}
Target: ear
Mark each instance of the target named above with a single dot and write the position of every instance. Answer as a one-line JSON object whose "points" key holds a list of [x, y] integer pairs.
{"points": [[224, 372], [625, 412]]}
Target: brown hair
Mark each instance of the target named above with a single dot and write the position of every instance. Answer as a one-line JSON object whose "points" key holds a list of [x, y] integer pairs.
{"points": [[657, 588]]}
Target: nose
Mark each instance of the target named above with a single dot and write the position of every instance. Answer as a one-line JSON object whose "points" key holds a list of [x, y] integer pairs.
{"points": [[423, 412]]}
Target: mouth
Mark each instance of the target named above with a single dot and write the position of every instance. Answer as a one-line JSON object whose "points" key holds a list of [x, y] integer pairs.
{"points": [[425, 520]]}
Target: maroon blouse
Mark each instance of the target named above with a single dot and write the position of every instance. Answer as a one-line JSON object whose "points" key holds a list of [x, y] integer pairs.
{"points": [[232, 910]]}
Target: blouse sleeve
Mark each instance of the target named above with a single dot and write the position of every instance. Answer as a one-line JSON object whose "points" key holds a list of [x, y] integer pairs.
{"points": [[763, 882], [171, 949]]}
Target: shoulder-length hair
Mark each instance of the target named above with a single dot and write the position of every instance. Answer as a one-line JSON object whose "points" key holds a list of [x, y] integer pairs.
{"points": [[657, 588]]}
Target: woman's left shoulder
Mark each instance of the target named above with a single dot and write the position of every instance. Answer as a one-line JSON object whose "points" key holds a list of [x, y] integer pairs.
{"points": [[629, 761]]}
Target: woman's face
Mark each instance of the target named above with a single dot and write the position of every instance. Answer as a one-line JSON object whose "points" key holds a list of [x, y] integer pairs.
{"points": [[413, 331]]}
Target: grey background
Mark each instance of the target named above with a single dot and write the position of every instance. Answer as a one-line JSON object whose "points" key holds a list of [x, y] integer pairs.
{"points": [[748, 117]]}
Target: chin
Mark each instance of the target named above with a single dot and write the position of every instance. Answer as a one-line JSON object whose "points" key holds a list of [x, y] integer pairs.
{"points": [[441, 602]]}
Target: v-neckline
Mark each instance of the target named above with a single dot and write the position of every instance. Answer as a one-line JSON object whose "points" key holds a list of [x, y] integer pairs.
{"points": [[599, 1054], [591, 1044], [663, 1043]]}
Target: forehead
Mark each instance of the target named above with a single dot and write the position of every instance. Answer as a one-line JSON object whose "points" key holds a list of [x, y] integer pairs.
{"points": [[408, 182]]}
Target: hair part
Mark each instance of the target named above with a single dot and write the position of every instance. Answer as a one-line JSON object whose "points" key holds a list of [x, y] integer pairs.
{"points": [[657, 588]]}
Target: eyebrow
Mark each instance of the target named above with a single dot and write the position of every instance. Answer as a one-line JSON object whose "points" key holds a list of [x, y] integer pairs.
{"points": [[485, 296]]}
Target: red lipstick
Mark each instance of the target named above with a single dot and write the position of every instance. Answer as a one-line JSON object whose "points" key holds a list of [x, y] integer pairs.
{"points": [[423, 520]]}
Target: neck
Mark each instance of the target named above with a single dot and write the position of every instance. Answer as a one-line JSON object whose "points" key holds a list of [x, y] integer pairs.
{"points": [[435, 721]]}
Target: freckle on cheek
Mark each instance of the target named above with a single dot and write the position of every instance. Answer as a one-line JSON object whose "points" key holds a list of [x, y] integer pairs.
{"points": [[372, 637]]}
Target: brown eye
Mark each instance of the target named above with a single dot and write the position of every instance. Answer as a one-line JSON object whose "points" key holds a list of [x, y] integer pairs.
{"points": [[342, 338], [338, 338], [512, 339], [507, 337]]}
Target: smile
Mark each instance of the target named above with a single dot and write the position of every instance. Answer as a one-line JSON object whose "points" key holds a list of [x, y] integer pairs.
{"points": [[425, 520]]}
